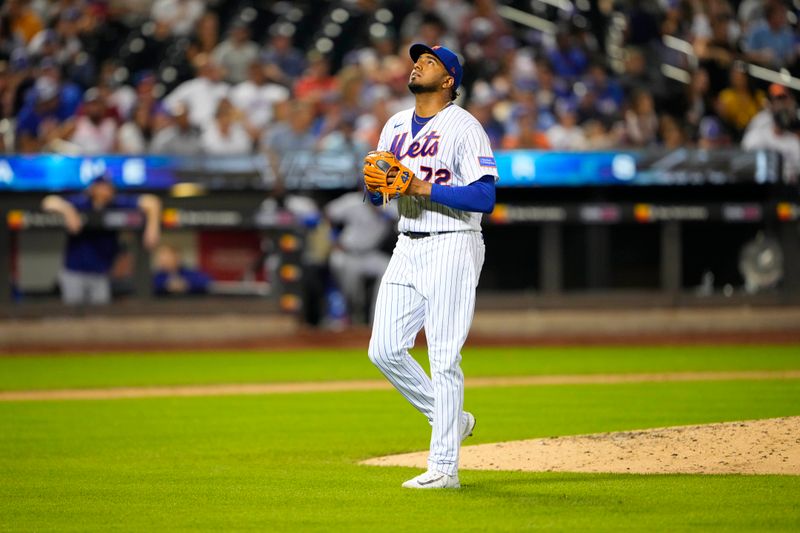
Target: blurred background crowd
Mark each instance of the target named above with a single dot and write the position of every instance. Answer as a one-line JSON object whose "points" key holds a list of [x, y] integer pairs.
{"points": [[240, 76]]}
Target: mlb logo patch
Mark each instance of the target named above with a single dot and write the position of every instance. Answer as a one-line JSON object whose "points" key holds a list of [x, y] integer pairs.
{"points": [[487, 162]]}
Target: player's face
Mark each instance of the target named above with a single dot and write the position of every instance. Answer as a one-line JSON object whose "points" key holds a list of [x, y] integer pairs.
{"points": [[101, 194], [428, 75]]}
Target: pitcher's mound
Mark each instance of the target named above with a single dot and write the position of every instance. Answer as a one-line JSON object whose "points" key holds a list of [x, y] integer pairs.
{"points": [[750, 447]]}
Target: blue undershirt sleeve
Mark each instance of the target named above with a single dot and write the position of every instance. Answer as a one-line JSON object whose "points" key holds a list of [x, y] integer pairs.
{"points": [[478, 196], [375, 197]]}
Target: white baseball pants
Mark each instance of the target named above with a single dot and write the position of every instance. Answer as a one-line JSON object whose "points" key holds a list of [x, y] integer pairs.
{"points": [[430, 282]]}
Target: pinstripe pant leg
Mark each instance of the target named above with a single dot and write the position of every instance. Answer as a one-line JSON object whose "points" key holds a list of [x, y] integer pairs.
{"points": [[450, 307], [399, 315]]}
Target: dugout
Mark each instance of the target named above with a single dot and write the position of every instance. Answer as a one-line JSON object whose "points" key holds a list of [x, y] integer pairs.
{"points": [[570, 229]]}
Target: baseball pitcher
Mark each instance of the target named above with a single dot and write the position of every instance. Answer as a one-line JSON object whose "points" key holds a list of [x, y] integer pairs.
{"points": [[435, 159]]}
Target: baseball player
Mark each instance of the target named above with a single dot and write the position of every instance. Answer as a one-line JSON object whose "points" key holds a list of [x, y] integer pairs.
{"points": [[436, 159], [90, 253]]}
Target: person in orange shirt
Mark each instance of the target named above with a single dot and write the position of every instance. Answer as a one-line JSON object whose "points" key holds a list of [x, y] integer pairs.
{"points": [[740, 102], [25, 23], [526, 134]]}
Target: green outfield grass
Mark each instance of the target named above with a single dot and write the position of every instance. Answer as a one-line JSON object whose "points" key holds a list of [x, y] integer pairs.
{"points": [[289, 462], [175, 368]]}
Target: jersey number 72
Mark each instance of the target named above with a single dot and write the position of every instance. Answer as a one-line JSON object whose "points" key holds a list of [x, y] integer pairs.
{"points": [[442, 175]]}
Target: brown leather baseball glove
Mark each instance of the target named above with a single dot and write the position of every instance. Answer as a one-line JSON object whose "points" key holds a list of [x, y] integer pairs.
{"points": [[385, 174]]}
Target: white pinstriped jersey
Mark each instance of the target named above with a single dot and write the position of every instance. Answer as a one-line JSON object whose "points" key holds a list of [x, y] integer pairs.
{"points": [[451, 149]]}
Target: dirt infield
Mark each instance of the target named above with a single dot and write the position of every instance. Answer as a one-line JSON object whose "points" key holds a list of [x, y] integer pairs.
{"points": [[358, 338], [750, 447], [237, 389]]}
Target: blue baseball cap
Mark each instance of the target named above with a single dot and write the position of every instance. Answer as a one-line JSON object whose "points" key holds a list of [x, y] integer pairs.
{"points": [[103, 177], [447, 57]]}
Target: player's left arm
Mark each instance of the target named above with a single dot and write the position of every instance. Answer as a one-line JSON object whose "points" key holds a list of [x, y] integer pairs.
{"points": [[478, 196], [477, 168]]}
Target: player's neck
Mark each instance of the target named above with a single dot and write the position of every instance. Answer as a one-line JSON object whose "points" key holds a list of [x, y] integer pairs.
{"points": [[428, 104]]}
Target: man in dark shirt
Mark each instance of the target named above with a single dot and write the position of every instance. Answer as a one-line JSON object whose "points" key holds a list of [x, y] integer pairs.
{"points": [[90, 253], [172, 277]]}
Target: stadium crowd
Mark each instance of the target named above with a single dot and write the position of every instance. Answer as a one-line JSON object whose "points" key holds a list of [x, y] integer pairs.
{"points": [[235, 77]]}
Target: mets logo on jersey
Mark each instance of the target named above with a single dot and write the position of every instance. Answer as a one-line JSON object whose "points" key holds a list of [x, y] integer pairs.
{"points": [[487, 161], [427, 146]]}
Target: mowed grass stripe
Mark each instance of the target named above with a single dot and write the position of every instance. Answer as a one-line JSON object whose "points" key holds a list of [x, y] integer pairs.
{"points": [[366, 385], [211, 368], [289, 463]]}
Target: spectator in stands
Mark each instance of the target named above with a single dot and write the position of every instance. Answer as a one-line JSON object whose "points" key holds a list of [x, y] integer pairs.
{"points": [[599, 137], [448, 14], [229, 133], [147, 48], [369, 57], [395, 71], [711, 134], [696, 100], [717, 53], [642, 24], [36, 122], [548, 90], [568, 60], [63, 44], [201, 94], [94, 129], [180, 137], [47, 105], [16, 80], [100, 32], [775, 129], [526, 134], [90, 252], [703, 17], [482, 108], [289, 62], [566, 134], [518, 72], [293, 133], [135, 134], [317, 81], [342, 138], [771, 42], [46, 43], [70, 95], [638, 76], [641, 121], [257, 96], [79, 66], [122, 98], [433, 31], [671, 134], [740, 102], [236, 53], [483, 40], [9, 40], [172, 277], [205, 36], [369, 123], [147, 93], [603, 96], [357, 257], [180, 16], [750, 12], [23, 21]]}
